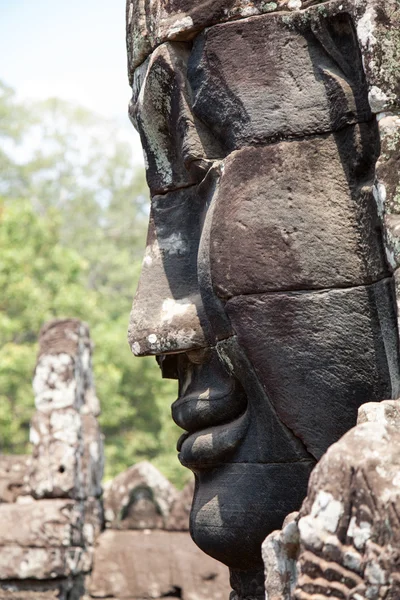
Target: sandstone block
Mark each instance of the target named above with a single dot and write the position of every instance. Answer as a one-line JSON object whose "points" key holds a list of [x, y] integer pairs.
{"points": [[64, 355], [30, 595], [314, 342], [57, 454], [298, 215], [64, 589], [44, 524], [139, 498], [176, 144], [43, 563], [387, 185], [93, 456], [386, 413], [227, 526], [14, 479], [93, 520], [132, 564], [378, 30], [67, 462], [307, 79], [151, 23]]}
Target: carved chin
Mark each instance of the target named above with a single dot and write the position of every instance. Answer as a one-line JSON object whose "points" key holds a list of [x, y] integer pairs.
{"points": [[236, 506]]}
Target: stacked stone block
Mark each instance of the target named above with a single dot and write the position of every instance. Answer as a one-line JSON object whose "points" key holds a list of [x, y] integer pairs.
{"points": [[51, 511]]}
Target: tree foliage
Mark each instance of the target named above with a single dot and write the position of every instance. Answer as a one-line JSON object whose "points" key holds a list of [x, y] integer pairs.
{"points": [[73, 219]]}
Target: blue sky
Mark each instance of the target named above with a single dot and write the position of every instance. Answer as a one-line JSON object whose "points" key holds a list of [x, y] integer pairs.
{"points": [[73, 49]]}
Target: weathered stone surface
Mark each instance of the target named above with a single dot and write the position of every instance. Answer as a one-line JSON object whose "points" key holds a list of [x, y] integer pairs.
{"points": [[57, 454], [167, 311], [316, 342], [68, 455], [93, 456], [67, 443], [349, 533], [14, 479], [151, 23], [64, 353], [44, 524], [63, 589], [229, 526], [46, 545], [387, 186], [130, 564], [343, 543], [386, 413], [178, 519], [279, 552], [274, 115], [176, 144], [60, 590], [93, 520], [298, 215], [18, 562], [139, 498], [307, 78], [378, 30], [31, 595]]}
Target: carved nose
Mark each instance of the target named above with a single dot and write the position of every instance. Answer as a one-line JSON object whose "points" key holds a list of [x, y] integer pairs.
{"points": [[167, 313]]}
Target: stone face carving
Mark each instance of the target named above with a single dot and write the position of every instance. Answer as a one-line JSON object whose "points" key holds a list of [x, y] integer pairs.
{"points": [[267, 287]]}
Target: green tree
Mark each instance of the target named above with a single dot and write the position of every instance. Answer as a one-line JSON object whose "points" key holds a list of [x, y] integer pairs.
{"points": [[67, 175], [39, 279]]}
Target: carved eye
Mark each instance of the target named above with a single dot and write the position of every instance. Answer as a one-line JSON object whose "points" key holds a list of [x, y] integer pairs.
{"points": [[199, 357]]}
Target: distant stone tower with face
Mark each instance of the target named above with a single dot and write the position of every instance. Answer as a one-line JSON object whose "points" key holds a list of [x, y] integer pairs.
{"points": [[268, 283]]}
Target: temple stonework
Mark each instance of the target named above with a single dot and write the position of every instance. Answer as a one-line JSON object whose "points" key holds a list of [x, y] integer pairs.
{"points": [[271, 139], [64, 537]]}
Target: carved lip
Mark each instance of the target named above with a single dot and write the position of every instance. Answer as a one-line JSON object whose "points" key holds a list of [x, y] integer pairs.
{"points": [[215, 427], [211, 446]]}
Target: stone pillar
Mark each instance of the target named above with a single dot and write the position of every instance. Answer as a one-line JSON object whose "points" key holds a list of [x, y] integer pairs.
{"points": [[49, 527]]}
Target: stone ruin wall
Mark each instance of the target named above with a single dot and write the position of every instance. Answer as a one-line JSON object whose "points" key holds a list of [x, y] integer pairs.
{"points": [[51, 511], [61, 536]]}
